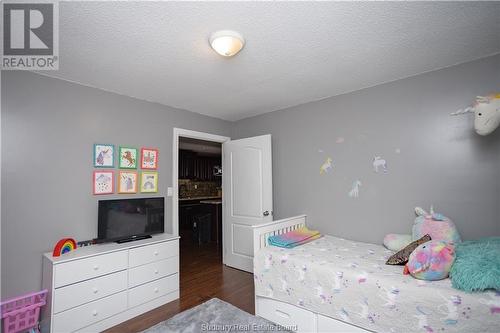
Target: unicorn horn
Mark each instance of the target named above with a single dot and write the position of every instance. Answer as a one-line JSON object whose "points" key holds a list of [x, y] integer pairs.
{"points": [[462, 111]]}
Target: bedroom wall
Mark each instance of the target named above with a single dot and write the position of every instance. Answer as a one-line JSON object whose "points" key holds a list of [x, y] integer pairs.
{"points": [[48, 128], [432, 158]]}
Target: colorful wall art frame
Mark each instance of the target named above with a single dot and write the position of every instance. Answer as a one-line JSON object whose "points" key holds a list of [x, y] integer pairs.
{"points": [[104, 156], [127, 158], [127, 182], [103, 182], [149, 182], [149, 158]]}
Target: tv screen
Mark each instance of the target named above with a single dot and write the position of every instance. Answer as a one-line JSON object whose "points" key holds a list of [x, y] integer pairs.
{"points": [[130, 218]]}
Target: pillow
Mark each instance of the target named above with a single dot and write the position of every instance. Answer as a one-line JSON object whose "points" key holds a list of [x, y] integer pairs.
{"points": [[396, 242], [431, 261], [438, 226], [401, 257], [477, 265]]}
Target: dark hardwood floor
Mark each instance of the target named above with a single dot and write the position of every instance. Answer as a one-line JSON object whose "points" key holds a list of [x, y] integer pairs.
{"points": [[202, 277]]}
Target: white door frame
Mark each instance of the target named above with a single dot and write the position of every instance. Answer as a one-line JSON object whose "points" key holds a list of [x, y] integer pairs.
{"points": [[184, 133]]}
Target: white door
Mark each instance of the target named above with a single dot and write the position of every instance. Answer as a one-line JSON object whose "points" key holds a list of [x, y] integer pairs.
{"points": [[248, 196]]}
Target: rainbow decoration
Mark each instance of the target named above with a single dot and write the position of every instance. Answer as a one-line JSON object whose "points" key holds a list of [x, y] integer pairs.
{"points": [[65, 245]]}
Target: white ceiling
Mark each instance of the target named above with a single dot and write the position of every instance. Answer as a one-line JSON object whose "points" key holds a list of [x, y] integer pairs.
{"points": [[295, 52]]}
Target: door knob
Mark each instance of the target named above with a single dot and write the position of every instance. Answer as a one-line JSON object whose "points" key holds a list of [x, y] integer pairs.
{"points": [[266, 213]]}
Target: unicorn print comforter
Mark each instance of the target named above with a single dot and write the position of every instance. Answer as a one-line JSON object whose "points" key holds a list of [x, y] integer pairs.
{"points": [[349, 281]]}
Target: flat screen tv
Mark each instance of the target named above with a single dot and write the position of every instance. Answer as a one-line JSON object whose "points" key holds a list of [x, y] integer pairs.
{"points": [[124, 220]]}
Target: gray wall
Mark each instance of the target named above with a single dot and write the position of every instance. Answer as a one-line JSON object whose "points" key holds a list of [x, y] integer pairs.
{"points": [[48, 129], [442, 161]]}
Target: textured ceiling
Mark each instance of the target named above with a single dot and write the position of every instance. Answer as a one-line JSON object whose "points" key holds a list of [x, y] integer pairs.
{"points": [[295, 52]]}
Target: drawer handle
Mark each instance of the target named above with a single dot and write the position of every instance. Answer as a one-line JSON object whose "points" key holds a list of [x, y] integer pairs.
{"points": [[96, 268], [95, 290], [156, 271], [155, 253], [156, 290], [95, 313], [282, 314]]}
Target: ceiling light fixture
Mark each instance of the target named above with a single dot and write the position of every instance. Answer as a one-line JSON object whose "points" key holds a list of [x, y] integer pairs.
{"points": [[226, 42]]}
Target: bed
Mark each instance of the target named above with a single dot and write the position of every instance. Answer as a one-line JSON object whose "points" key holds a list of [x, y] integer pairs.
{"points": [[338, 285]]}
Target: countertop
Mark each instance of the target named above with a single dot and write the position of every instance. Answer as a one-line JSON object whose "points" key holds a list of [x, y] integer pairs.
{"points": [[212, 202], [199, 198]]}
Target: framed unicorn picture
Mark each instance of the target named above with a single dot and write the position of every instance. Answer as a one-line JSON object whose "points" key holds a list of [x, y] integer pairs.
{"points": [[127, 158], [149, 158], [127, 182], [149, 181], [104, 156], [103, 182]]}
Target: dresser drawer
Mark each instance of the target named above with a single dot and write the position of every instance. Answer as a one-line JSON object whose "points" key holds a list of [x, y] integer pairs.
{"points": [[152, 290], [155, 270], [83, 292], [326, 325], [84, 269], [291, 316], [87, 314], [159, 251]]}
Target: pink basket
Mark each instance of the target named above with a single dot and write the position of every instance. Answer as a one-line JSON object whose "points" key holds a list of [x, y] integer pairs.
{"points": [[22, 313]]}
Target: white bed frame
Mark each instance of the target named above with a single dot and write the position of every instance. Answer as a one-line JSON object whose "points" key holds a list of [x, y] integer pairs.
{"points": [[291, 316]]}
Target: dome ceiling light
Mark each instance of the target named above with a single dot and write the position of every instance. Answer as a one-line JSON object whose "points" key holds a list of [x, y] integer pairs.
{"points": [[227, 43]]}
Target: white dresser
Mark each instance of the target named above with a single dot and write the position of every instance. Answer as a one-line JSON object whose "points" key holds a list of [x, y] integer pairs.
{"points": [[94, 288]]}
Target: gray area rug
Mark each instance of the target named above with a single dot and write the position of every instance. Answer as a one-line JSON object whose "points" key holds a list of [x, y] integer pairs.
{"points": [[214, 316]]}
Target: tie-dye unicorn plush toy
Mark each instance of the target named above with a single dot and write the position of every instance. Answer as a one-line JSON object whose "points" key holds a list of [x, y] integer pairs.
{"points": [[436, 225], [486, 113], [431, 260]]}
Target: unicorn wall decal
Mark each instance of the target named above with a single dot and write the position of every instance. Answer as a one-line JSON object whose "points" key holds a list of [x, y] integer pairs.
{"points": [[326, 167], [379, 162], [486, 111], [354, 192]]}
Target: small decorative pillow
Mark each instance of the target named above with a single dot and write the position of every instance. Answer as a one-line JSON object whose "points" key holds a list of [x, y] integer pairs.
{"points": [[401, 257], [431, 260], [477, 265], [396, 242]]}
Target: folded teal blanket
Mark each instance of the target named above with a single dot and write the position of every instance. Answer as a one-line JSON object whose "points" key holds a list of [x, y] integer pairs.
{"points": [[477, 265], [294, 238]]}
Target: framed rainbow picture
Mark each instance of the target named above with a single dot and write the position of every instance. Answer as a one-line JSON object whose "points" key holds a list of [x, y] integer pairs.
{"points": [[103, 182], [149, 182]]}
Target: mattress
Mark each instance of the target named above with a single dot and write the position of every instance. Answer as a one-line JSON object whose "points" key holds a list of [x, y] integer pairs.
{"points": [[349, 281]]}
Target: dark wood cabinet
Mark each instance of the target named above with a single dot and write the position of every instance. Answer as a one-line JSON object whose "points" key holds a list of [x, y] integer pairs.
{"points": [[194, 166]]}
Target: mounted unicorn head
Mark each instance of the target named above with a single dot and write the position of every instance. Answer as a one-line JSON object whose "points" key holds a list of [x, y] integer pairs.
{"points": [[487, 113]]}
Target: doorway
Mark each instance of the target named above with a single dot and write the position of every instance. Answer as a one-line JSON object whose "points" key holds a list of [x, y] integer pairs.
{"points": [[197, 197]]}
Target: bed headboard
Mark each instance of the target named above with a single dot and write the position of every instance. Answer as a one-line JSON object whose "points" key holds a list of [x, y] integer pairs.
{"points": [[263, 231]]}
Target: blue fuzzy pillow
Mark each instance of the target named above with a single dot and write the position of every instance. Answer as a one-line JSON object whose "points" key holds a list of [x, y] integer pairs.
{"points": [[477, 265]]}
